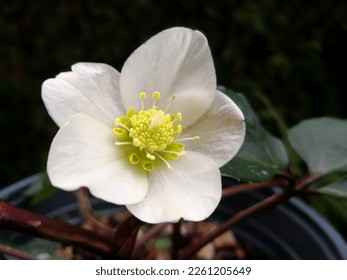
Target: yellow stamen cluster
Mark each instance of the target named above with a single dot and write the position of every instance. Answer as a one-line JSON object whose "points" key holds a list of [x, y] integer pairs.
{"points": [[150, 134]]}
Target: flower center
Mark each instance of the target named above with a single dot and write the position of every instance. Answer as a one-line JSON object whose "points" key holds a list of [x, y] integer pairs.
{"points": [[150, 134]]}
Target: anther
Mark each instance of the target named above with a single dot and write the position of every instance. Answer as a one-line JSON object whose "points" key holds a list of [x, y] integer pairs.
{"points": [[165, 161], [169, 104], [173, 152], [122, 126], [142, 96], [195, 138], [156, 95], [123, 143], [150, 156]]}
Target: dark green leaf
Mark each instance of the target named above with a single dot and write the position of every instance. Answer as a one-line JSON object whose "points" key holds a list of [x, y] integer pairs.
{"points": [[338, 188], [261, 155], [322, 144]]}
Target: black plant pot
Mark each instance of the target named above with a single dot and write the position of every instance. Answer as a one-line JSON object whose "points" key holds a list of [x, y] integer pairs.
{"points": [[291, 230]]}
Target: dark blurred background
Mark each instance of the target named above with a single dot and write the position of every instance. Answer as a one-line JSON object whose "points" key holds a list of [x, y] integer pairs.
{"points": [[293, 52]]}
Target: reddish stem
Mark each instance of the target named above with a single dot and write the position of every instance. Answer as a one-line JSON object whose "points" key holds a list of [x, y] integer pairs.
{"points": [[16, 253], [235, 189], [290, 189], [151, 232], [12, 217], [125, 237], [238, 217], [86, 210], [307, 181]]}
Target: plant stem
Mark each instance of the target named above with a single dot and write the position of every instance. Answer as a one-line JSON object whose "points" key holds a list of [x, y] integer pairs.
{"points": [[86, 210], [16, 253], [12, 217], [238, 217], [298, 188], [177, 239], [125, 237], [84, 204], [235, 189], [151, 232], [190, 230], [307, 181]]}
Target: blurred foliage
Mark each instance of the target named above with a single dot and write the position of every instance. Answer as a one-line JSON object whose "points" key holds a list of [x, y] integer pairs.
{"points": [[334, 209], [40, 190], [39, 248], [293, 52], [262, 156]]}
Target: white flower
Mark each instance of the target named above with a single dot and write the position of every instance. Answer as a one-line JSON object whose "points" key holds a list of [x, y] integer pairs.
{"points": [[151, 137]]}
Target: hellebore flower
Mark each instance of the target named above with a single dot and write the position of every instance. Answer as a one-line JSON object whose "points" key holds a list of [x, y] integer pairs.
{"points": [[152, 137]]}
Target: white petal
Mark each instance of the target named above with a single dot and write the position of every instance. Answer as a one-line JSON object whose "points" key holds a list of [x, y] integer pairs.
{"points": [[221, 130], [177, 62], [192, 190], [91, 88], [83, 153]]}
